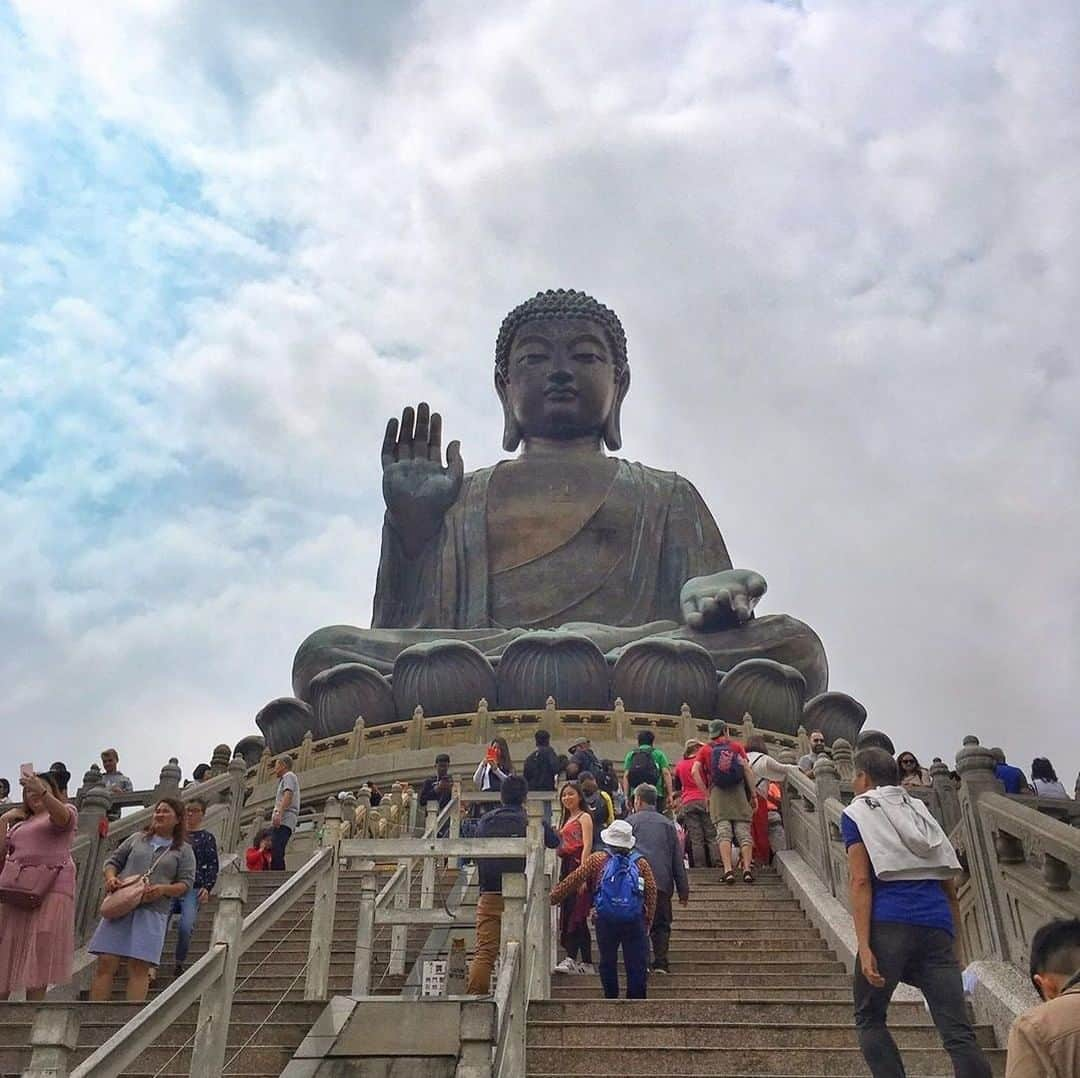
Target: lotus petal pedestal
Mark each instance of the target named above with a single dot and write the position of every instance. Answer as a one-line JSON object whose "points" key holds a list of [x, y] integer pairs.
{"points": [[545, 663], [284, 722], [836, 715], [444, 677], [661, 674], [340, 695], [770, 692]]}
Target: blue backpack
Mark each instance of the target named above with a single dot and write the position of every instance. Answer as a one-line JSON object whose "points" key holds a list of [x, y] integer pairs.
{"points": [[621, 894]]}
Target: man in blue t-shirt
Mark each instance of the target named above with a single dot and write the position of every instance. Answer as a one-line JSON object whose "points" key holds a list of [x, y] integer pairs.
{"points": [[905, 923], [1012, 778]]}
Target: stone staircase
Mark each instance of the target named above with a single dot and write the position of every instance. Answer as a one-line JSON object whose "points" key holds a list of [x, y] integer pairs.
{"points": [[269, 1015], [754, 991]]}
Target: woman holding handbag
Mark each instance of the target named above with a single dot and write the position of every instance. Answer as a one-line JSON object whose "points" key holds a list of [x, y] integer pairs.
{"points": [[142, 877], [37, 890]]}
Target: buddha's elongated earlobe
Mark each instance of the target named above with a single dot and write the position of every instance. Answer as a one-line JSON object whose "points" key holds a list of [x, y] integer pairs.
{"points": [[511, 430], [612, 425]]}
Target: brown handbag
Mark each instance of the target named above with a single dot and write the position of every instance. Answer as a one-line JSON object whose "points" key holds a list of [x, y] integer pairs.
{"points": [[129, 894], [26, 886]]}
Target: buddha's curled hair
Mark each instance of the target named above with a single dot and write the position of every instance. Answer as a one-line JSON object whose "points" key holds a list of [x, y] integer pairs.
{"points": [[561, 303]]}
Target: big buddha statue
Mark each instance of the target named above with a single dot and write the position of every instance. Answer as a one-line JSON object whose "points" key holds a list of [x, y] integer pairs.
{"points": [[563, 570]]}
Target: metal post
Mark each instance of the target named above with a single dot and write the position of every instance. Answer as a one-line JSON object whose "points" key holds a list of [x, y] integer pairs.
{"points": [[215, 1008], [317, 979], [54, 1037], [365, 938]]}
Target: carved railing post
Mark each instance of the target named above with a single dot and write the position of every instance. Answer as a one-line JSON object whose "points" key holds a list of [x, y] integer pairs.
{"points": [[416, 728], [803, 739], [477, 1036], [787, 756], [365, 938], [483, 722], [91, 779], [844, 758], [54, 1037], [827, 782], [265, 766], [303, 756], [976, 767], [238, 776], [455, 809], [513, 930], [169, 781], [219, 760], [427, 879], [317, 979], [90, 885], [348, 814], [356, 739], [747, 726], [215, 1007], [947, 795]]}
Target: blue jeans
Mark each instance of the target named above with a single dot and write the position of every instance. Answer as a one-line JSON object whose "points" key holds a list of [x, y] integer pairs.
{"points": [[922, 957], [635, 946], [186, 907], [279, 839]]}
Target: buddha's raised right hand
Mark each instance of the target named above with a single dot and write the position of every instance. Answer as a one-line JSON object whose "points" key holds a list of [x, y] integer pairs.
{"points": [[417, 488]]}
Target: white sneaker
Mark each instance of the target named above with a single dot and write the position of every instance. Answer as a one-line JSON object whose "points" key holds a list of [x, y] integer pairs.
{"points": [[567, 965], [586, 968]]}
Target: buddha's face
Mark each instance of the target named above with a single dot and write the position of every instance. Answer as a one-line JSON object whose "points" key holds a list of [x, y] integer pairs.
{"points": [[560, 382]]}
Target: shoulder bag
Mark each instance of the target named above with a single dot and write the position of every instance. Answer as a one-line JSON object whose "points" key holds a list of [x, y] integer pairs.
{"points": [[130, 892]]}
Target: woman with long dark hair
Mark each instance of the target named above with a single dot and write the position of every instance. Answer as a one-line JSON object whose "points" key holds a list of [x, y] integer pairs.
{"points": [[576, 842], [1044, 780], [911, 772], [492, 769], [160, 851], [37, 944]]}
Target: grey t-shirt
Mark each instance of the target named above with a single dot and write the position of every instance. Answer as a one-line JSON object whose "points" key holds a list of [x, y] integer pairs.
{"points": [[291, 815]]}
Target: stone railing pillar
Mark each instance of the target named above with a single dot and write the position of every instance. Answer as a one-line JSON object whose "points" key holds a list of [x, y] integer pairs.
{"points": [[54, 1037], [303, 755], [265, 768], [947, 795], [317, 979], [416, 728], [513, 930], [356, 739], [427, 877], [238, 775], [219, 760], [827, 782], [169, 781], [348, 814], [215, 1007], [89, 885], [455, 809], [483, 722], [976, 767], [365, 938], [844, 758], [477, 1038], [91, 779]]}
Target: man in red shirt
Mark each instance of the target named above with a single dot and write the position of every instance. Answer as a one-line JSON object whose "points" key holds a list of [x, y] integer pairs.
{"points": [[694, 810], [722, 772]]}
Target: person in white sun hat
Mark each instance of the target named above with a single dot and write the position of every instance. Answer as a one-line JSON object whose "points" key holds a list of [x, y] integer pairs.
{"points": [[624, 900]]}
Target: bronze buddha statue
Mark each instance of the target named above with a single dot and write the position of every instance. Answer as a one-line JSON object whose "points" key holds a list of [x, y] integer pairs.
{"points": [[605, 552]]}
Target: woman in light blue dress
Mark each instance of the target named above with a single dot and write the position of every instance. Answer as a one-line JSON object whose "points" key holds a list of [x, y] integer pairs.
{"points": [[161, 851]]}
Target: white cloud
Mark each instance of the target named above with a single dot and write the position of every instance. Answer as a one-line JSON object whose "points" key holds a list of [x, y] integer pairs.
{"points": [[842, 239]]}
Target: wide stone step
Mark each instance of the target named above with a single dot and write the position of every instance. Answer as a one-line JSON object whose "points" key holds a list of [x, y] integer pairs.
{"points": [[764, 1013], [738, 1063], [737, 974], [702, 1034], [660, 989]]}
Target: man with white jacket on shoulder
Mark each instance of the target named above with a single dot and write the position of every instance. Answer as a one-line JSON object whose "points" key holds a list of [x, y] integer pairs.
{"points": [[902, 871]]}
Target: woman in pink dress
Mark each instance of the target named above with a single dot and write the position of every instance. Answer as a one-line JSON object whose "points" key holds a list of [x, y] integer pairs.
{"points": [[37, 946]]}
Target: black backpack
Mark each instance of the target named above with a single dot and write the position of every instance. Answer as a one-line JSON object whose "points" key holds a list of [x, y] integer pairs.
{"points": [[642, 768], [538, 769]]}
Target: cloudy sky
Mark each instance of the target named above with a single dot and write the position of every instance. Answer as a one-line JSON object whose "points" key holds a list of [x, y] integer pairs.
{"points": [[842, 236]]}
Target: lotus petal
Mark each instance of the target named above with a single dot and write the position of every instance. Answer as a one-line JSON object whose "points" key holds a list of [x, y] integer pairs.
{"points": [[771, 692], [284, 722], [545, 663], [660, 674], [836, 715], [444, 677], [340, 695]]}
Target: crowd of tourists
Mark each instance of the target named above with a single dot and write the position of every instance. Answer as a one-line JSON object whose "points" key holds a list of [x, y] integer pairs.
{"points": [[166, 870], [623, 842]]}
